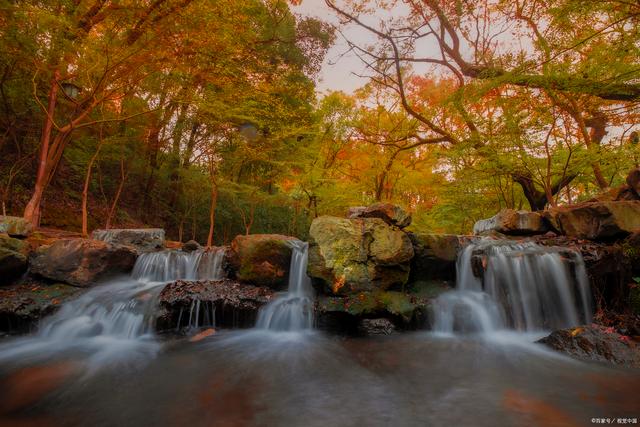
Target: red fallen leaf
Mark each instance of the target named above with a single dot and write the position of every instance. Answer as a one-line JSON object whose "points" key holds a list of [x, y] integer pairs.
{"points": [[55, 301], [202, 335]]}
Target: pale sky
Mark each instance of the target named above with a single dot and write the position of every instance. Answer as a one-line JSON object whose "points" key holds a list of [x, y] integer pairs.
{"points": [[337, 71]]}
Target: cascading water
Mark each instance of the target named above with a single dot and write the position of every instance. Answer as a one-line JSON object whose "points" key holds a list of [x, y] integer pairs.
{"points": [[166, 266], [114, 321], [292, 311], [525, 286]]}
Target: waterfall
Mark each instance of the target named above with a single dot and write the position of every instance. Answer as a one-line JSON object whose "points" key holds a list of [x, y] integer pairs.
{"points": [[525, 286], [292, 311], [114, 321], [169, 265]]}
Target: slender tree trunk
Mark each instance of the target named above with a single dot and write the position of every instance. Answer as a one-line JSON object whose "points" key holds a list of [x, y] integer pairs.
{"points": [[114, 205], [85, 190], [212, 209], [32, 210]]}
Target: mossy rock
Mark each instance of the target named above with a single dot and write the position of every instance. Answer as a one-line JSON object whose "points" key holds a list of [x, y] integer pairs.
{"points": [[634, 296], [348, 256], [373, 304], [262, 259]]}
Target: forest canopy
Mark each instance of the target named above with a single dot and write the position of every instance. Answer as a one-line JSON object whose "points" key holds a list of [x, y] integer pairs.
{"points": [[204, 118]]}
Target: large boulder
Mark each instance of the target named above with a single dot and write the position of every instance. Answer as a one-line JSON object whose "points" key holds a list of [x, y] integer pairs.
{"points": [[15, 226], [595, 343], [512, 222], [81, 262], [600, 220], [435, 256], [22, 306], [261, 259], [13, 259], [222, 303], [347, 256], [142, 239], [633, 181], [391, 214]]}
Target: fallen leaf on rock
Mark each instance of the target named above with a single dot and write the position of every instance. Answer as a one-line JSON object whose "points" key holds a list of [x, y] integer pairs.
{"points": [[202, 335]]}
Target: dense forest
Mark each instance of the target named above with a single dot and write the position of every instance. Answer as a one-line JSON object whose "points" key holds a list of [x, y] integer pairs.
{"points": [[204, 118]]}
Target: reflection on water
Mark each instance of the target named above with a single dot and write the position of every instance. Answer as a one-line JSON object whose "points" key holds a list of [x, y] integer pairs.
{"points": [[306, 378]]}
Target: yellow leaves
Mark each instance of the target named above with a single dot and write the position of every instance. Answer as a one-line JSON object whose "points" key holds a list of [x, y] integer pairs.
{"points": [[576, 331], [338, 284]]}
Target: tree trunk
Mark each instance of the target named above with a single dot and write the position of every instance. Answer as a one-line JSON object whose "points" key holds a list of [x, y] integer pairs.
{"points": [[85, 191], [114, 205], [32, 210], [212, 209]]}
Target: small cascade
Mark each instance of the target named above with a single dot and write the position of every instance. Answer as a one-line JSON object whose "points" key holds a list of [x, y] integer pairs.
{"points": [[525, 286], [199, 315], [292, 311], [169, 265], [114, 321]]}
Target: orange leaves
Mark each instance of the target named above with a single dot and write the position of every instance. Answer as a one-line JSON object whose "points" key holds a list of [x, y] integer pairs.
{"points": [[202, 335]]}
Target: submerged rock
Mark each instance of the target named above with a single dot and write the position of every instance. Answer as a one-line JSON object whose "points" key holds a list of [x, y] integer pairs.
{"points": [[220, 303], [143, 239], [15, 226], [261, 259], [601, 220], [347, 256], [595, 343], [371, 327], [391, 214], [22, 306], [512, 222], [81, 262]]}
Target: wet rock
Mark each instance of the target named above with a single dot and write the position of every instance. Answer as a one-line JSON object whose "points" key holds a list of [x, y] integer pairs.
{"points": [[595, 343], [142, 239], [15, 226], [391, 214], [344, 314], [435, 256], [347, 256], [371, 327], [81, 262], [221, 303], [191, 246], [22, 306], [602, 220], [261, 259], [512, 222]]}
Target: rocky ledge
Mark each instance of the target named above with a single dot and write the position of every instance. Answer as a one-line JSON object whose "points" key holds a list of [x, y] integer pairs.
{"points": [[596, 343], [219, 303], [22, 306]]}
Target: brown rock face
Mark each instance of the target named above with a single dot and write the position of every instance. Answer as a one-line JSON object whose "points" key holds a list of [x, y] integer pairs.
{"points": [[435, 256], [391, 214], [633, 181], [599, 220], [262, 259], [595, 343], [230, 304], [509, 221], [81, 262]]}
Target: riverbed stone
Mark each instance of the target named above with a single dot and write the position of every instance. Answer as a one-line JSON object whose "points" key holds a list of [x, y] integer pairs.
{"points": [[347, 256], [81, 262], [191, 246], [23, 305], [512, 222], [389, 213], [595, 343], [142, 239], [600, 220], [372, 327], [261, 259], [15, 226], [233, 304]]}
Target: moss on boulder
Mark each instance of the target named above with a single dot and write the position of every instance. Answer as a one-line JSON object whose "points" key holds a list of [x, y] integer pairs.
{"points": [[262, 259]]}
